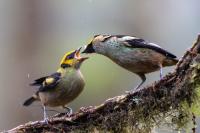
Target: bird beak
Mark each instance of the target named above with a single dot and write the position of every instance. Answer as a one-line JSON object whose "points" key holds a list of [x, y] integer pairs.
{"points": [[83, 59], [89, 49], [78, 56]]}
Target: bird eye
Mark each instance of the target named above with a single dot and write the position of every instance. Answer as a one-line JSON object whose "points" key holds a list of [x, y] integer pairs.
{"points": [[107, 37]]}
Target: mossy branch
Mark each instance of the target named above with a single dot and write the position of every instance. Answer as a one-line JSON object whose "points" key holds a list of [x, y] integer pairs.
{"points": [[169, 101]]}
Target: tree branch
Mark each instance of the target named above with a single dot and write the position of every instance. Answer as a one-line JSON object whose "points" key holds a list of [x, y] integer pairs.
{"points": [[138, 111]]}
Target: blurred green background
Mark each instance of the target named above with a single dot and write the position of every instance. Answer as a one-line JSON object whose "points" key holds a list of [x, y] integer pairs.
{"points": [[35, 34]]}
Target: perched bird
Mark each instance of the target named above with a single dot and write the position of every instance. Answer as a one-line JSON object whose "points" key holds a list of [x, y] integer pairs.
{"points": [[133, 54], [61, 87]]}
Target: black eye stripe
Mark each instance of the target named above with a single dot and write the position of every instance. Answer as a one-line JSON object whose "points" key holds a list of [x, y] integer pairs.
{"points": [[65, 65], [71, 56], [107, 38]]}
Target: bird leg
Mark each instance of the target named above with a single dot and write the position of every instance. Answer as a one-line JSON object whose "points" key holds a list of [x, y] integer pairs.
{"points": [[45, 115], [161, 71], [143, 77]]}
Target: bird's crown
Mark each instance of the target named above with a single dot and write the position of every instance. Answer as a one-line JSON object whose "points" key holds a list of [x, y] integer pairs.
{"points": [[68, 58]]}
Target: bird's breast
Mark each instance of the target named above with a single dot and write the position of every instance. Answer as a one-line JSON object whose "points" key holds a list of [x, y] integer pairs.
{"points": [[137, 60], [69, 87]]}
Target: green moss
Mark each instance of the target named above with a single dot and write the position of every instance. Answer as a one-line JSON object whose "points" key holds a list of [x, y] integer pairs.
{"points": [[172, 107], [189, 107], [195, 81], [179, 117]]}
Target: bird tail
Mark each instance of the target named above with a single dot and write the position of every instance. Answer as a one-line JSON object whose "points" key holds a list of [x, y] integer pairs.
{"points": [[170, 62], [30, 100]]}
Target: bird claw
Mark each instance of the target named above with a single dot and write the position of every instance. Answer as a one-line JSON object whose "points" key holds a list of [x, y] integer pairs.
{"points": [[68, 114], [69, 111], [128, 92], [133, 90], [45, 121], [45, 115]]}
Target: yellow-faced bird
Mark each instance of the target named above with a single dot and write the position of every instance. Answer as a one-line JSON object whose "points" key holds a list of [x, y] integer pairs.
{"points": [[133, 54], [61, 87]]}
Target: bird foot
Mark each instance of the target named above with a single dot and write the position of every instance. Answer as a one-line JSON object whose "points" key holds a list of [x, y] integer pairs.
{"points": [[128, 92], [45, 121], [69, 111], [132, 90]]}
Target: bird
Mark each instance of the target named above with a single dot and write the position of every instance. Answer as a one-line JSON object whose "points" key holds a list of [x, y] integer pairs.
{"points": [[61, 87], [131, 53]]}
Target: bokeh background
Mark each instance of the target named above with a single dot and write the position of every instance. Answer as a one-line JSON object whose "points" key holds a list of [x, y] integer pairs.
{"points": [[35, 34]]}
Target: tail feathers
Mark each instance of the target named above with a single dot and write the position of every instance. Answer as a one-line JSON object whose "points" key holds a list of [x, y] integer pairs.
{"points": [[29, 101], [175, 61], [170, 62]]}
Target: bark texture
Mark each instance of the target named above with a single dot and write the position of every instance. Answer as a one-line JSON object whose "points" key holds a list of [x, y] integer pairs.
{"points": [[166, 101]]}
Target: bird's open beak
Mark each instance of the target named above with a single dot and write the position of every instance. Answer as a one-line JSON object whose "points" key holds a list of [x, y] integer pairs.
{"points": [[78, 56], [89, 49], [83, 58]]}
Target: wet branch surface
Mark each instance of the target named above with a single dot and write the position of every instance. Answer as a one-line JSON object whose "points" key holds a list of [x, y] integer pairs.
{"points": [[138, 111]]}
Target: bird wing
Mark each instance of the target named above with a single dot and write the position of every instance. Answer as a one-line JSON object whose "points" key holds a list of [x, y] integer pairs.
{"points": [[48, 82], [134, 42], [39, 81]]}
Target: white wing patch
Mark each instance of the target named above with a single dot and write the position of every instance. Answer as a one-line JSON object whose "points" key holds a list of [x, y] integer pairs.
{"points": [[128, 38], [153, 44]]}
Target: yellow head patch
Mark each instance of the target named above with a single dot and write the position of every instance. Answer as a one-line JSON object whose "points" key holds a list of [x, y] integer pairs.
{"points": [[68, 58]]}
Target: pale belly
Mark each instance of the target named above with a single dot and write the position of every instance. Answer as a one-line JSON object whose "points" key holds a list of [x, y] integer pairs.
{"points": [[66, 91], [138, 60]]}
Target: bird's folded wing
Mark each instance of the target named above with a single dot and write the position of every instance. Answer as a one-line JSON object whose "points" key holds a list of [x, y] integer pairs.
{"points": [[48, 82], [39, 81], [133, 42]]}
